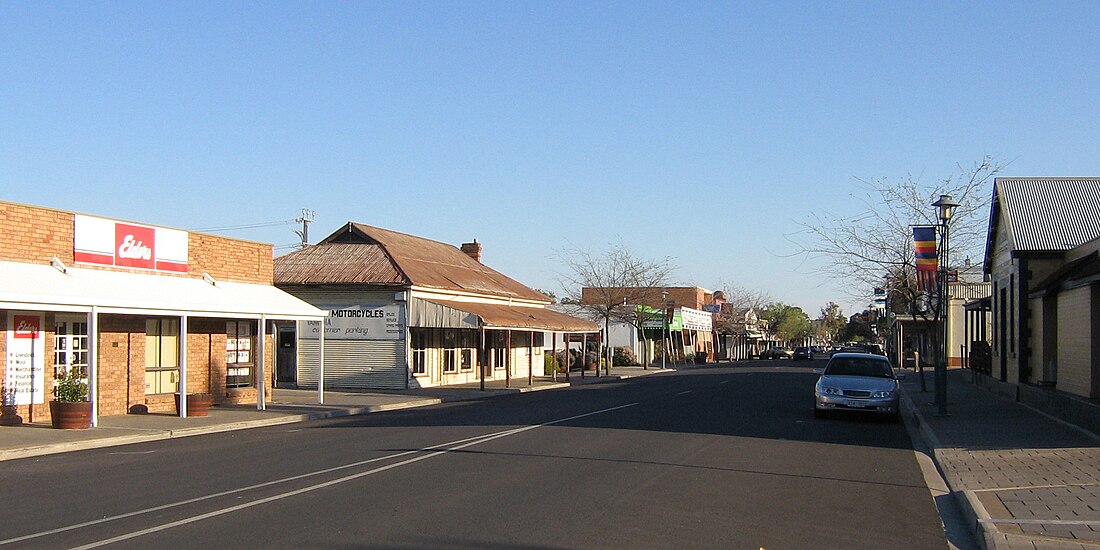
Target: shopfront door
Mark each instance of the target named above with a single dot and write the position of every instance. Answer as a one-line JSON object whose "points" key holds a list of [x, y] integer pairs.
{"points": [[70, 344], [286, 359]]}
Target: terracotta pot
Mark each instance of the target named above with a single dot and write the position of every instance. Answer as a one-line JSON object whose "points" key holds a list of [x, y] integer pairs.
{"points": [[198, 404], [71, 416]]}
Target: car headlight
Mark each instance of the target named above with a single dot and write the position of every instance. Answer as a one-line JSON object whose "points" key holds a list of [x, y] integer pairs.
{"points": [[830, 391], [887, 393]]}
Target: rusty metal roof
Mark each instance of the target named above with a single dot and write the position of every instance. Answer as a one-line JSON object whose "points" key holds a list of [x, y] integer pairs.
{"points": [[362, 254], [337, 263]]}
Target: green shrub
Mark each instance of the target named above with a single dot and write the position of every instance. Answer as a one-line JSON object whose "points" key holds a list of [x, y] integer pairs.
{"points": [[624, 356], [70, 386]]}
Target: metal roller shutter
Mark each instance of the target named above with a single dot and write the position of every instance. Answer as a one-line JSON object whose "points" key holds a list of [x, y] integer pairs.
{"points": [[354, 364]]}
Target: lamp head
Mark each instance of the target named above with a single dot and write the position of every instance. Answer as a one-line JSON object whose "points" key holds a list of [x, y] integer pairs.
{"points": [[946, 206]]}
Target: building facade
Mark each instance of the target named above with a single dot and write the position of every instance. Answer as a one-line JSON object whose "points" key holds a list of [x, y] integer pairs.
{"points": [[405, 311], [141, 312]]}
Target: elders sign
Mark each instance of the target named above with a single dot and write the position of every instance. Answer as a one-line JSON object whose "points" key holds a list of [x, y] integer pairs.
{"points": [[26, 353]]}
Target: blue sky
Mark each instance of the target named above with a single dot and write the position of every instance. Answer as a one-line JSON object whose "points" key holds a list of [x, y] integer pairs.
{"points": [[700, 131]]}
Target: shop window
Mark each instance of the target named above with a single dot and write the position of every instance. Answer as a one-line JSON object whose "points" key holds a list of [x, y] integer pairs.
{"points": [[419, 342], [467, 340], [450, 351], [497, 349], [70, 344], [239, 356], [162, 367]]}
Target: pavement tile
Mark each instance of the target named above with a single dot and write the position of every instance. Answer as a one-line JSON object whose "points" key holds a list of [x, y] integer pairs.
{"points": [[1021, 464]]}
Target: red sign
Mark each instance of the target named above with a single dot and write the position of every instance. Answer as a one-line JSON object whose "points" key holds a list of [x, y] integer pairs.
{"points": [[135, 246], [28, 326]]}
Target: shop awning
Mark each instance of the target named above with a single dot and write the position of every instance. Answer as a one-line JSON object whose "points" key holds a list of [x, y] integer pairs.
{"points": [[48, 288], [504, 316]]}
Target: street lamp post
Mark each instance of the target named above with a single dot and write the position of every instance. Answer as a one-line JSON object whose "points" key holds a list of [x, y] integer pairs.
{"points": [[945, 209], [664, 328]]}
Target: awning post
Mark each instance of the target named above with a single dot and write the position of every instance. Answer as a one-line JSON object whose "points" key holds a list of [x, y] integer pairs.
{"points": [[183, 366], [508, 359], [321, 365], [554, 354], [584, 352], [93, 363], [261, 364]]}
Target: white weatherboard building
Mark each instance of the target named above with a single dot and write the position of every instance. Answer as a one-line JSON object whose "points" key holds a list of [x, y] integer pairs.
{"points": [[405, 311]]}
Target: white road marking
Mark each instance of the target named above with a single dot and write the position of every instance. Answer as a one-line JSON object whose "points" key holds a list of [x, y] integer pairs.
{"points": [[684, 392], [724, 382], [443, 448]]}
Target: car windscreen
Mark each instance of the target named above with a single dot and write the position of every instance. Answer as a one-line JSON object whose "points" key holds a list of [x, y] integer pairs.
{"points": [[859, 366]]}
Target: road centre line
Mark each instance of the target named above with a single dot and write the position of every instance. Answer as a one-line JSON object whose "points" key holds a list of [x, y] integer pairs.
{"points": [[685, 392], [442, 449]]}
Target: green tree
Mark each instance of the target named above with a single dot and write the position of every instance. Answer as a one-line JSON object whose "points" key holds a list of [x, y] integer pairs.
{"points": [[831, 321], [787, 322]]}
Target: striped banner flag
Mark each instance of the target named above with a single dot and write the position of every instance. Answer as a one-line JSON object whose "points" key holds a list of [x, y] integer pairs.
{"points": [[924, 247]]}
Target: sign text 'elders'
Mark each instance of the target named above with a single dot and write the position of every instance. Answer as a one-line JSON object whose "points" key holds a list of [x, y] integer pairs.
{"points": [[358, 323], [25, 375], [109, 242]]}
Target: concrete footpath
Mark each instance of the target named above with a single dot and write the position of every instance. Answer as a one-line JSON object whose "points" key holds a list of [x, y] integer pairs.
{"points": [[1025, 480], [285, 406]]}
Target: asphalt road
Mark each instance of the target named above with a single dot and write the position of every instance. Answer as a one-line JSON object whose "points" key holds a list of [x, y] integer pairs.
{"points": [[707, 458]]}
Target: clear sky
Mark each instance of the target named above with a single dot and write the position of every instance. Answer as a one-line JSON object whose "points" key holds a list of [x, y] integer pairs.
{"points": [[699, 131]]}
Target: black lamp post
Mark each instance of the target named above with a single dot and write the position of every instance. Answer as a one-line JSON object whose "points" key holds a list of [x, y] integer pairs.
{"points": [[945, 207]]}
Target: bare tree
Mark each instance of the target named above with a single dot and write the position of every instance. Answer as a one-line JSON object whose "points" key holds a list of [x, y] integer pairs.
{"points": [[874, 247], [741, 297], [610, 284], [861, 249]]}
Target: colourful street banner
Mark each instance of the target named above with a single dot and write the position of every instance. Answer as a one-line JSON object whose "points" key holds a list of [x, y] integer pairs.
{"points": [[924, 248]]}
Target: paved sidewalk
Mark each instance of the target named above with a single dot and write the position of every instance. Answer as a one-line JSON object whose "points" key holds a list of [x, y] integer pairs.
{"points": [[1026, 481], [284, 407]]}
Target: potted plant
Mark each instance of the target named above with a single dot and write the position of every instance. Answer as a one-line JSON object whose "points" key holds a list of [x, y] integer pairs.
{"points": [[70, 408], [198, 404], [9, 411]]}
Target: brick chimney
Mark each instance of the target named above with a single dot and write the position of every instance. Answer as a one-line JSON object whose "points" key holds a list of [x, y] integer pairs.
{"points": [[473, 250]]}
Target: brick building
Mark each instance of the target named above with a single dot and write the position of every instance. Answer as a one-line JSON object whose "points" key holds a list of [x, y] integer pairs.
{"points": [[143, 312]]}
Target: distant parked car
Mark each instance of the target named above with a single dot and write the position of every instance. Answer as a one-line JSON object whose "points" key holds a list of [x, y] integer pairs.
{"points": [[777, 353], [817, 349], [848, 349], [802, 353], [857, 382]]}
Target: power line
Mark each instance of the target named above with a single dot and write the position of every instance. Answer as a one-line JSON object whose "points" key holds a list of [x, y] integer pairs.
{"points": [[247, 226]]}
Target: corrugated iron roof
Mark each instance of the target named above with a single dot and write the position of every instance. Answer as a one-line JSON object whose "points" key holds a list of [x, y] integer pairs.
{"points": [[1047, 214], [363, 254], [503, 316], [336, 263]]}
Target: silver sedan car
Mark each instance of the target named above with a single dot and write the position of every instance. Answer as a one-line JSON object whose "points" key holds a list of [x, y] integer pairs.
{"points": [[857, 382]]}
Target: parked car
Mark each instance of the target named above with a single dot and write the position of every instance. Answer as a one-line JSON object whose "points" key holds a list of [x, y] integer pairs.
{"points": [[857, 382], [802, 353], [817, 349], [848, 349], [777, 353]]}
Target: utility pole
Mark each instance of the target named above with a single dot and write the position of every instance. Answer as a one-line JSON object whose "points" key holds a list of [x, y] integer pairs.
{"points": [[305, 218]]}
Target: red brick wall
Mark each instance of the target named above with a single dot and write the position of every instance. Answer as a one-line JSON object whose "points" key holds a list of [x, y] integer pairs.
{"points": [[35, 234], [231, 260]]}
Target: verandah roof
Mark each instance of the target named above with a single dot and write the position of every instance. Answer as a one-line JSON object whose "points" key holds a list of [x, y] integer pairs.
{"points": [[43, 287]]}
